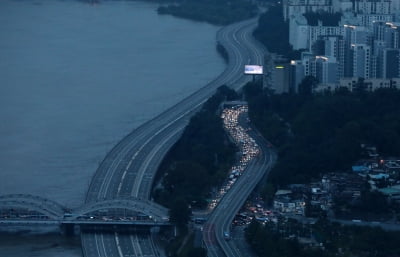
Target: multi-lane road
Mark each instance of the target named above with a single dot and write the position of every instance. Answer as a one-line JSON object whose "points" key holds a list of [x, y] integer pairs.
{"points": [[219, 222], [129, 168]]}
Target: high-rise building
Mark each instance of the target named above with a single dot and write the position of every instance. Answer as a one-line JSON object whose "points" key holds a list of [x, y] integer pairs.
{"points": [[303, 36], [388, 32], [353, 35], [331, 46], [367, 20], [391, 63], [298, 32], [396, 6], [361, 57], [307, 61], [294, 7], [377, 59], [367, 47], [315, 32], [372, 6], [342, 5], [356, 34], [323, 68], [296, 75], [326, 70], [280, 76], [393, 35]]}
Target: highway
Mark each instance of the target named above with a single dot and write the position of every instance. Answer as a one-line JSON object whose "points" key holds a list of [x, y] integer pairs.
{"points": [[221, 218], [129, 168]]}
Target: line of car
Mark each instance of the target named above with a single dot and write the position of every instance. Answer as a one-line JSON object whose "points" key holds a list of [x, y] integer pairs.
{"points": [[248, 148]]}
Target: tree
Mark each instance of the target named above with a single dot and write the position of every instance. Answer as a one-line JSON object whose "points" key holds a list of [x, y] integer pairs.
{"points": [[273, 31], [322, 133], [307, 85], [200, 159], [268, 192], [326, 18], [361, 86], [179, 212], [197, 252]]}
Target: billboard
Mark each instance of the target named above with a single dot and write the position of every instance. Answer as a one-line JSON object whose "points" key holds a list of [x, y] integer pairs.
{"points": [[253, 69]]}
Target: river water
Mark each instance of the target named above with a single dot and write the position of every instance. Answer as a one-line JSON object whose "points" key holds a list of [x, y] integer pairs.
{"points": [[74, 79]]}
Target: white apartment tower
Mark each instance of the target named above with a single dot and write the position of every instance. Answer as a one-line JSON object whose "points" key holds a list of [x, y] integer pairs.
{"points": [[293, 7], [361, 54], [373, 6]]}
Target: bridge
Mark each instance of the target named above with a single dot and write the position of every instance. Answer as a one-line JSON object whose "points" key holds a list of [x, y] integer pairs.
{"points": [[29, 210], [129, 169], [36, 206]]}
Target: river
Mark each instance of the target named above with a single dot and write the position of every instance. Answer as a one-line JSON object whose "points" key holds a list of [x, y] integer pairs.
{"points": [[74, 79]]}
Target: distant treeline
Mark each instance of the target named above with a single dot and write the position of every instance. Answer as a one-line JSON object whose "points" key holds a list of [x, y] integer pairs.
{"points": [[323, 132], [331, 239], [273, 32], [199, 160], [326, 18], [218, 12]]}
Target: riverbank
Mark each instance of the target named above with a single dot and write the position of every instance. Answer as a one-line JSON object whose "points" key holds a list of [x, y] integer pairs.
{"points": [[34, 245], [216, 13], [205, 150], [83, 88]]}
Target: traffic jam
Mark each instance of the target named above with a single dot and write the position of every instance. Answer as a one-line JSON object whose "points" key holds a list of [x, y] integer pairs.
{"points": [[248, 148]]}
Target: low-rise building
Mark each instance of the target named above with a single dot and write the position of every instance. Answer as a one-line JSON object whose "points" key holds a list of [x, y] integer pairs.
{"points": [[369, 84], [289, 206], [392, 192]]}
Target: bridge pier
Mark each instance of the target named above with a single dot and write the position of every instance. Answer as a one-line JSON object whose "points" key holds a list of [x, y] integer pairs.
{"points": [[68, 229]]}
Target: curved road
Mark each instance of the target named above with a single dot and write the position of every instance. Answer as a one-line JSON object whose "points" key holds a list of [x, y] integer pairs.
{"points": [[129, 168], [221, 218]]}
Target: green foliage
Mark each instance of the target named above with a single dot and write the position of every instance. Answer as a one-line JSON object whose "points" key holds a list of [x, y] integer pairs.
{"points": [[188, 249], [176, 243], [357, 240], [273, 31], [275, 39], [322, 133], [200, 159], [218, 12], [268, 193], [337, 240], [307, 85], [370, 205], [374, 202], [267, 242], [327, 19], [197, 252], [179, 212]]}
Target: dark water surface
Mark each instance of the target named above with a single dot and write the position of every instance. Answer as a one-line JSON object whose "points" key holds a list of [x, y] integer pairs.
{"points": [[74, 79]]}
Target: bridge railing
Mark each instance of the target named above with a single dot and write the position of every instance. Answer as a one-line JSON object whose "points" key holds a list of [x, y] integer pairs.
{"points": [[29, 207]]}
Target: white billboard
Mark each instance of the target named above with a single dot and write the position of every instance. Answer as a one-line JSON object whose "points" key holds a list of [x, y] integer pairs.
{"points": [[253, 69]]}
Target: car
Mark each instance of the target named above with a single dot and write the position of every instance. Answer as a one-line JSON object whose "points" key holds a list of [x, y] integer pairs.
{"points": [[227, 236]]}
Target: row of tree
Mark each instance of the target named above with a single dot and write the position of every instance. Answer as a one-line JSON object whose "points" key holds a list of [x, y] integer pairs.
{"points": [[268, 242], [323, 133], [329, 239], [198, 161], [276, 40], [326, 18], [273, 32]]}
